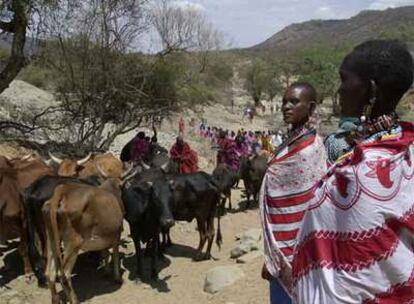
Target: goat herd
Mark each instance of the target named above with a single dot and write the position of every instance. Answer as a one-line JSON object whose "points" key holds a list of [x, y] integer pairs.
{"points": [[61, 207]]}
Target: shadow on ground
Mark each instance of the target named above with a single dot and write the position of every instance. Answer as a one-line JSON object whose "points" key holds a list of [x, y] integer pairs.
{"points": [[13, 264]]}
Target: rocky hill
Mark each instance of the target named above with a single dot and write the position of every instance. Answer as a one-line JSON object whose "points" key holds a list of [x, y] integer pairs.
{"points": [[365, 25]]}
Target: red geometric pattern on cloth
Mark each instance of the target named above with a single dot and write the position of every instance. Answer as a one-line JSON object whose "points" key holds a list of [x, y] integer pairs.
{"points": [[350, 251], [285, 235], [402, 293], [289, 201], [286, 218]]}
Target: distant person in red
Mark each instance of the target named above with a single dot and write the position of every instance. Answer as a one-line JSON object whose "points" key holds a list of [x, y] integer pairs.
{"points": [[140, 147], [181, 127], [227, 153], [184, 156]]}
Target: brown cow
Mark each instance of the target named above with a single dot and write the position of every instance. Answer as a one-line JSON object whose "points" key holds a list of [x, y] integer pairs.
{"points": [[83, 218], [87, 166], [15, 176]]}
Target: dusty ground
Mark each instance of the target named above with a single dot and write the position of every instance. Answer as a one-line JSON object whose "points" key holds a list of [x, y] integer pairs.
{"points": [[181, 279]]}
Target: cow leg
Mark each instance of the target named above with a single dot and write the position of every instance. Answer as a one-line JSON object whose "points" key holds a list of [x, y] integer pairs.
{"points": [[166, 238], [154, 258], [202, 232], [25, 256], [138, 255], [210, 236], [70, 256], [169, 242], [117, 264], [229, 197], [51, 275], [104, 259]]}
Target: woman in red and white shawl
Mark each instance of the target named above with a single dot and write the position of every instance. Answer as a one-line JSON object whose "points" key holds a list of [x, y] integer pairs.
{"points": [[288, 186], [356, 244]]}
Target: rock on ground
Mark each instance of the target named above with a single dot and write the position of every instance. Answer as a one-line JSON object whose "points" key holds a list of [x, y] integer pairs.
{"points": [[221, 277], [248, 241], [250, 257]]}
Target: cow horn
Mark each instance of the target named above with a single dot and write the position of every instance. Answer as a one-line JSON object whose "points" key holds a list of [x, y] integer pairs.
{"points": [[131, 174], [55, 159], [101, 171], [164, 167], [84, 160], [26, 157], [127, 171], [144, 165]]}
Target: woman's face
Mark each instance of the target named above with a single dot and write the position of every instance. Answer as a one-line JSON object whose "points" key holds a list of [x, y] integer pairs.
{"points": [[296, 106], [354, 93]]}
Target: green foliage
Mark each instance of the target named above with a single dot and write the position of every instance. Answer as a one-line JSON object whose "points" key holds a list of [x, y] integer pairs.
{"points": [[36, 75], [4, 55], [320, 67], [404, 32], [256, 77]]}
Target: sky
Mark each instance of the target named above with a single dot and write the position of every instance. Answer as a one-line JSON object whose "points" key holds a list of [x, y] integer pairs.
{"points": [[248, 22]]}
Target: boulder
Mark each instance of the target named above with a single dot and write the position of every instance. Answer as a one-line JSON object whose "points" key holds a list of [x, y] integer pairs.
{"points": [[221, 277], [250, 257]]}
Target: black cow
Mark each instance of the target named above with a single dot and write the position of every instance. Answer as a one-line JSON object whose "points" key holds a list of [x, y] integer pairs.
{"points": [[147, 211], [225, 178], [34, 198], [195, 196], [252, 171]]}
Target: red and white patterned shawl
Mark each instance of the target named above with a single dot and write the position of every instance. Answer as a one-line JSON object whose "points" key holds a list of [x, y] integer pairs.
{"points": [[356, 244], [286, 189]]}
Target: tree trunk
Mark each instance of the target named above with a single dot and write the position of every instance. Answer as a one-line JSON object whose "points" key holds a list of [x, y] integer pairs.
{"points": [[18, 27]]}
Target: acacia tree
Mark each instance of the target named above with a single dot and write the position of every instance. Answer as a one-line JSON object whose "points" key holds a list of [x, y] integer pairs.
{"points": [[185, 30], [320, 67], [14, 20], [104, 89], [255, 80]]}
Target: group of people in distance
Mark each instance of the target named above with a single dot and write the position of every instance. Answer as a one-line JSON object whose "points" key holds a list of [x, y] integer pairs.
{"points": [[143, 147], [246, 143], [344, 233]]}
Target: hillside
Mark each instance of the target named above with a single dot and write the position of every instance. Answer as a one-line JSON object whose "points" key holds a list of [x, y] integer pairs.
{"points": [[365, 25]]}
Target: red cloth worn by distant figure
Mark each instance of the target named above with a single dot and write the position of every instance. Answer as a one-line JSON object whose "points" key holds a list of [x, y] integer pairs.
{"points": [[140, 149], [186, 158], [227, 153], [181, 126]]}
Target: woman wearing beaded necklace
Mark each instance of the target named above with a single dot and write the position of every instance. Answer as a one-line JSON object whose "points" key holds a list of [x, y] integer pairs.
{"points": [[298, 163], [356, 240]]}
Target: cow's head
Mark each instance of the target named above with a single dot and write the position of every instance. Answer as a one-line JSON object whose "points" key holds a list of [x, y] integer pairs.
{"points": [[162, 200], [69, 167]]}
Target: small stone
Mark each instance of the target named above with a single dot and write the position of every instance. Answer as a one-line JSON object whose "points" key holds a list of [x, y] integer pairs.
{"points": [[250, 257], [221, 277], [237, 252]]}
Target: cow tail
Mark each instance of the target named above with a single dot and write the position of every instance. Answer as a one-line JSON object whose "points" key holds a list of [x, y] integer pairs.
{"points": [[2, 207], [29, 230], [219, 236], [54, 233]]}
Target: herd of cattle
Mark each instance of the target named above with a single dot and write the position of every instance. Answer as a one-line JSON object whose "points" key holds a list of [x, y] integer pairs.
{"points": [[60, 207]]}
